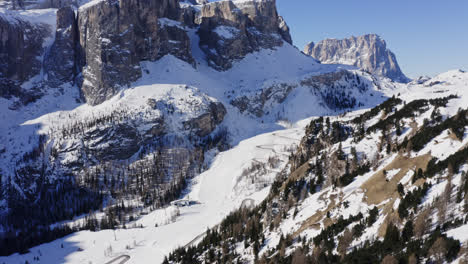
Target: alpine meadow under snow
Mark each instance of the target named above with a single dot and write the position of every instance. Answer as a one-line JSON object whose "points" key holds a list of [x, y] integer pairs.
{"points": [[167, 131]]}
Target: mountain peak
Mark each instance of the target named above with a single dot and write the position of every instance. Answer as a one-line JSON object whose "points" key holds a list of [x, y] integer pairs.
{"points": [[368, 52]]}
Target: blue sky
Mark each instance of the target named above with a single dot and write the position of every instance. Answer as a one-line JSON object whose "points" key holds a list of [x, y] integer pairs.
{"points": [[427, 36]]}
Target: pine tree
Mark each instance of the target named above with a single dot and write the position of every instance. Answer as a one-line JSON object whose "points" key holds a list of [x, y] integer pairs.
{"points": [[407, 232], [401, 189], [340, 153], [392, 236], [373, 213], [398, 127], [355, 158]]}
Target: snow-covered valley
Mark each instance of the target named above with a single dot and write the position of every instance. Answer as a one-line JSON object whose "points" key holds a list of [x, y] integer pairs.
{"points": [[219, 190]]}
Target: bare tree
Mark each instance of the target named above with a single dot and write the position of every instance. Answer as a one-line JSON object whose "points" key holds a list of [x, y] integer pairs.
{"points": [[450, 170], [464, 260], [409, 148], [466, 204], [448, 188], [445, 198], [412, 259], [344, 242], [299, 257], [464, 253], [316, 253], [441, 206], [421, 225], [438, 250], [282, 251], [389, 259]]}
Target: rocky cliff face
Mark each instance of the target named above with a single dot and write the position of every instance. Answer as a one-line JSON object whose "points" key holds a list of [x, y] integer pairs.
{"points": [[204, 124], [115, 36], [21, 47], [368, 52], [60, 63], [124, 128], [100, 48], [228, 31], [231, 29], [21, 51]]}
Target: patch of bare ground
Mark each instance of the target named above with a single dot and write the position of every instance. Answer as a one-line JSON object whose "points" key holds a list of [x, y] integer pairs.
{"points": [[452, 136], [377, 189], [297, 174]]}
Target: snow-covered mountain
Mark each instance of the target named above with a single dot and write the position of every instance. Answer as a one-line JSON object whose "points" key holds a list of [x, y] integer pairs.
{"points": [[368, 52], [126, 106], [118, 108], [384, 185]]}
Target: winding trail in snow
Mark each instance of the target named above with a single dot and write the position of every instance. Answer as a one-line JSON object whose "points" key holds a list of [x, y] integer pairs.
{"points": [[124, 258]]}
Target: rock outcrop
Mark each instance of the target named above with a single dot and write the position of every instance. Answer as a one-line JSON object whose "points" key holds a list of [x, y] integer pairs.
{"points": [[116, 142], [21, 48], [116, 36], [256, 104], [337, 90], [207, 122], [229, 30], [60, 62], [123, 129], [368, 52], [101, 47]]}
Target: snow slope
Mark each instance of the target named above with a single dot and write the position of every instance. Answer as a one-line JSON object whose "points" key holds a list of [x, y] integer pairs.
{"points": [[214, 189], [222, 187], [217, 189], [264, 68]]}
